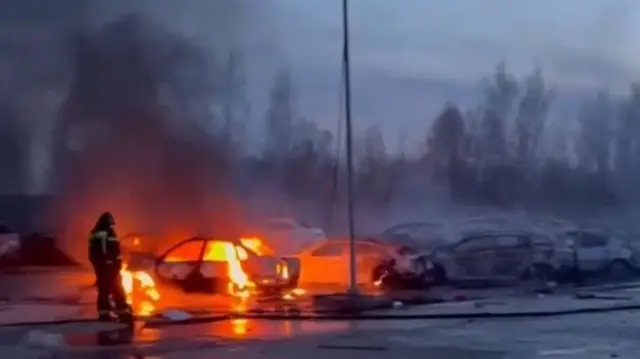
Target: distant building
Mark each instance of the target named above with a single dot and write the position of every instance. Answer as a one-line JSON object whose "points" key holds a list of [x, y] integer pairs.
{"points": [[24, 213]]}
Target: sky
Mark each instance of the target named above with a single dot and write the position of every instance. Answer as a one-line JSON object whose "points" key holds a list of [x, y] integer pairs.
{"points": [[409, 57]]}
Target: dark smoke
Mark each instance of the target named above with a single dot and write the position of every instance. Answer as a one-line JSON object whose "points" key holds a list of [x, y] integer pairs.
{"points": [[13, 151], [133, 135]]}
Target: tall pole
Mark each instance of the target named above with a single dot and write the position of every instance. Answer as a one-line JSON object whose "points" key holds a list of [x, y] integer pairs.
{"points": [[353, 285]]}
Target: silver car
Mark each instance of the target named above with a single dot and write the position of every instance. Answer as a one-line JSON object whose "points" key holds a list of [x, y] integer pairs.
{"points": [[501, 257], [599, 253]]}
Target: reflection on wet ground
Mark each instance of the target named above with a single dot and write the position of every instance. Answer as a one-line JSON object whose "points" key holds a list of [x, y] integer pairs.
{"points": [[246, 329], [590, 336], [238, 330], [112, 337]]}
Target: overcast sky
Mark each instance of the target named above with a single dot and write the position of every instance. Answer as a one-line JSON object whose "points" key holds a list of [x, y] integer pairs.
{"points": [[410, 56]]}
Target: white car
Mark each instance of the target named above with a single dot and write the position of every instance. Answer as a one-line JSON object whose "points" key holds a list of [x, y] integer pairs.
{"points": [[286, 236], [600, 253], [9, 241]]}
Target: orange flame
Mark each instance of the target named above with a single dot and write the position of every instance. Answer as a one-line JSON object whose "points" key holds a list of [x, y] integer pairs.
{"points": [[134, 280], [257, 245]]}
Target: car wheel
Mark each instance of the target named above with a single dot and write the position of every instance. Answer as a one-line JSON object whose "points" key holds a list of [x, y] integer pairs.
{"points": [[619, 270]]}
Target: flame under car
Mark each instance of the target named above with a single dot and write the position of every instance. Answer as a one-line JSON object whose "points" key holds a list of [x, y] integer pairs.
{"points": [[223, 266]]}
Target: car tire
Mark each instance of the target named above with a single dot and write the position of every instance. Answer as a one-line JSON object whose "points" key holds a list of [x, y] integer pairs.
{"points": [[619, 269]]}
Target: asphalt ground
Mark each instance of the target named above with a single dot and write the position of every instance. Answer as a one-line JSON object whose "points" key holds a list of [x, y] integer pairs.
{"points": [[605, 335], [585, 336]]}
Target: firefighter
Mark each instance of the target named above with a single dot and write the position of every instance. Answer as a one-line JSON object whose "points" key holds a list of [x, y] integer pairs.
{"points": [[104, 254]]}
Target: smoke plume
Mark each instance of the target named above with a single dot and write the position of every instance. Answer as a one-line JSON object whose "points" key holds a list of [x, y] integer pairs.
{"points": [[134, 135]]}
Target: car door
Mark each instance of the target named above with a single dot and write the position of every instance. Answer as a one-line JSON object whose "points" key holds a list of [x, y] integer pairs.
{"points": [[592, 252], [214, 267], [512, 252], [325, 263], [473, 257], [180, 262]]}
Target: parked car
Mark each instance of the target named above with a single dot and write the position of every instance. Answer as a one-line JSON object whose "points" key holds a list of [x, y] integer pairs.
{"points": [[378, 264], [420, 236], [501, 257], [600, 253], [286, 236], [9, 241], [201, 264]]}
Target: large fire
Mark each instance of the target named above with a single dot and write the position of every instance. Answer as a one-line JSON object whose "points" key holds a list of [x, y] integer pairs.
{"points": [[141, 288]]}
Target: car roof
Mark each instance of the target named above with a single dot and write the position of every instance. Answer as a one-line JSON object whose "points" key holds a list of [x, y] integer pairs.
{"points": [[594, 231], [362, 239], [209, 238], [419, 223], [500, 232]]}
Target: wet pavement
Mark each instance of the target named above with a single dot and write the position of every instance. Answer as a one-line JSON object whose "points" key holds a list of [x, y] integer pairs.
{"points": [[610, 335], [585, 336]]}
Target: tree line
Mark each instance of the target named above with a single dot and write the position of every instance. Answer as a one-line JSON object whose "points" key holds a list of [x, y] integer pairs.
{"points": [[508, 151]]}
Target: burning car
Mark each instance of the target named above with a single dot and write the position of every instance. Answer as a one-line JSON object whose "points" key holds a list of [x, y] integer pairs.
{"points": [[379, 264], [218, 265]]}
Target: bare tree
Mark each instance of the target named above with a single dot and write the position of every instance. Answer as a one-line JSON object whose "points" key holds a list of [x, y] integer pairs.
{"points": [[280, 118], [500, 93], [532, 114], [596, 133]]}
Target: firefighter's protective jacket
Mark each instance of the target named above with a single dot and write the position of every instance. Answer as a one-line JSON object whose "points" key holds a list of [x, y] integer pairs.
{"points": [[104, 247]]}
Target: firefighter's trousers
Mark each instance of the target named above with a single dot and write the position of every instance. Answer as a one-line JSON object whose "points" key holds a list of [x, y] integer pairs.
{"points": [[109, 283]]}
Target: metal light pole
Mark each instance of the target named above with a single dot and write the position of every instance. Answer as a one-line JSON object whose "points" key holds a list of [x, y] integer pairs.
{"points": [[353, 285]]}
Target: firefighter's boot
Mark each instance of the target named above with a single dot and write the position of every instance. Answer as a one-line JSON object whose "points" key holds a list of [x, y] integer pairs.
{"points": [[126, 316], [104, 317]]}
